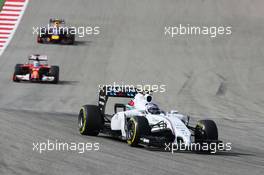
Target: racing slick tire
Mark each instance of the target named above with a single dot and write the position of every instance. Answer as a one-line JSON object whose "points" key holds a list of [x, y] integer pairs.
{"points": [[137, 127], [72, 39], [206, 132], [55, 72], [18, 71], [69, 39], [89, 120], [42, 36], [39, 40]]}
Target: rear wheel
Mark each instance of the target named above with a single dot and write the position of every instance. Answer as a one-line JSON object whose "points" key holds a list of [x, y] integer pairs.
{"points": [[42, 35], [137, 127], [39, 39], [89, 120], [69, 39], [55, 72], [72, 39]]}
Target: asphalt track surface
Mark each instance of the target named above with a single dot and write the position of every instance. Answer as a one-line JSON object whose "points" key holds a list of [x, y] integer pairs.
{"points": [[132, 49]]}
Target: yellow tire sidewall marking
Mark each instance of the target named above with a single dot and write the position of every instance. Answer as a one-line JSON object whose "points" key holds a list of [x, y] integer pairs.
{"points": [[134, 136], [84, 120]]}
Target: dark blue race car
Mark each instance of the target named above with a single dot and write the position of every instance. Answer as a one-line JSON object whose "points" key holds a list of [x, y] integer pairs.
{"points": [[56, 32]]}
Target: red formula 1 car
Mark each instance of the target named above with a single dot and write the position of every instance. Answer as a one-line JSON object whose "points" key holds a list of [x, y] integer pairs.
{"points": [[36, 70]]}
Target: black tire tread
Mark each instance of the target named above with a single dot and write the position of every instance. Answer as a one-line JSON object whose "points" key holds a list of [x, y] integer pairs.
{"points": [[142, 128], [93, 121]]}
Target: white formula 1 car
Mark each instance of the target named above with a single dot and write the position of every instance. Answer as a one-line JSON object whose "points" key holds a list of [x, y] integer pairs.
{"points": [[142, 122]]}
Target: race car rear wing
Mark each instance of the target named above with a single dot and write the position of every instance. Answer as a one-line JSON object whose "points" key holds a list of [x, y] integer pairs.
{"points": [[37, 57], [61, 21], [117, 91], [114, 91]]}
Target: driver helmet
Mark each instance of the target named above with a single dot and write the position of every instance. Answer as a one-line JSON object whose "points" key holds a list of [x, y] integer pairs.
{"points": [[152, 108], [56, 24], [131, 103], [36, 64]]}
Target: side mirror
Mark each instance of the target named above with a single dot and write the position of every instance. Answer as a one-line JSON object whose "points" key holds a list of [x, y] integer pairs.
{"points": [[148, 98], [188, 120]]}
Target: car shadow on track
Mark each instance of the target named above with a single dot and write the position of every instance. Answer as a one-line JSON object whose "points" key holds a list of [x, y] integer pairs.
{"points": [[65, 82], [117, 140], [76, 43], [155, 149], [82, 43], [218, 153], [61, 82]]}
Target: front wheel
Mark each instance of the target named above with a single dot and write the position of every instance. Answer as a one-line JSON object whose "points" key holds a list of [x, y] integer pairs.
{"points": [[206, 132], [137, 127]]}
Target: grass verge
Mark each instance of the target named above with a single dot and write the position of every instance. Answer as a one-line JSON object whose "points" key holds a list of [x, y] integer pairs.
{"points": [[1, 4]]}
